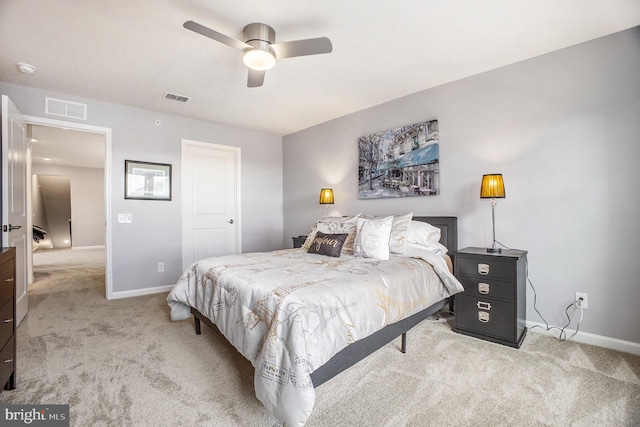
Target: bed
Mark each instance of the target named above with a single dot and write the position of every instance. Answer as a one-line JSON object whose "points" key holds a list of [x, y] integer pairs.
{"points": [[302, 318]]}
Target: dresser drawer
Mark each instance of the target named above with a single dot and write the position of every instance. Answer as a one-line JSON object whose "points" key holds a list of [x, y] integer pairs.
{"points": [[6, 281], [486, 267], [483, 287], [6, 322], [7, 363], [485, 316]]}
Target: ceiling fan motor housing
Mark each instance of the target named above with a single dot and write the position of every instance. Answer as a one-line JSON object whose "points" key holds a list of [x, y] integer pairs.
{"points": [[257, 32]]}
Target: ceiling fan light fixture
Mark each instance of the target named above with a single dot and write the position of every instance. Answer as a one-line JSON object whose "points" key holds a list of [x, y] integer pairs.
{"points": [[26, 68], [259, 59]]}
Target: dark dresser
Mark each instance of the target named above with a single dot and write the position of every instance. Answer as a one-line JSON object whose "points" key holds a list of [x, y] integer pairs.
{"points": [[7, 318], [493, 305]]}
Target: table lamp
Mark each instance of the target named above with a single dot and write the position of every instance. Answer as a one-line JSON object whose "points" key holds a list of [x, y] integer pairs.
{"points": [[492, 187], [326, 197]]}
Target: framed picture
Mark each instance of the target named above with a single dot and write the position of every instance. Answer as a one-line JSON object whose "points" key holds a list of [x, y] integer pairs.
{"points": [[147, 181], [400, 162]]}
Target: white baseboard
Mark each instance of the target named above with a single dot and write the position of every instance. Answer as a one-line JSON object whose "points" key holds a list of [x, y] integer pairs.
{"points": [[86, 247], [593, 339], [140, 292]]}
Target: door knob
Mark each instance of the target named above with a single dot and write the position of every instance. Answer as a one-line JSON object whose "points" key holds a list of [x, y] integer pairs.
{"points": [[10, 227], [230, 221]]}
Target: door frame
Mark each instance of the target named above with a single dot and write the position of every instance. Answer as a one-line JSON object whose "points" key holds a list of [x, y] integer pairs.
{"points": [[238, 162], [34, 120]]}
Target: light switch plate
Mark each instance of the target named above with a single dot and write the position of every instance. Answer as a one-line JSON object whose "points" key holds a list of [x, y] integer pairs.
{"points": [[125, 218]]}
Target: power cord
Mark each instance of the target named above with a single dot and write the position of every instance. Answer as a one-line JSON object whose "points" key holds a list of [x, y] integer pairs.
{"points": [[440, 318], [436, 320], [562, 336]]}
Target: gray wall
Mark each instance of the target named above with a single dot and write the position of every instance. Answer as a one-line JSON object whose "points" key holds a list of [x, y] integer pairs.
{"points": [[39, 214], [155, 234], [87, 202], [55, 191], [562, 128]]}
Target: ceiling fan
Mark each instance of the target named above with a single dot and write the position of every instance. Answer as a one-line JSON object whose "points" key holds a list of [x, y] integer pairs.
{"points": [[260, 48]]}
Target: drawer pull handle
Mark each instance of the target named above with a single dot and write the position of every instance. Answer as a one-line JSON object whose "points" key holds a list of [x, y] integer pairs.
{"points": [[8, 320], [483, 288], [483, 269], [9, 280], [483, 316], [8, 361], [484, 305]]}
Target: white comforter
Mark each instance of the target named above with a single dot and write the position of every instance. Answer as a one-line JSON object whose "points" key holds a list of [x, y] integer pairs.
{"points": [[289, 312]]}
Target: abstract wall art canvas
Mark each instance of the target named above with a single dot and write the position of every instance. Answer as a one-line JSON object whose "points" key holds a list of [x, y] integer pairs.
{"points": [[400, 162]]}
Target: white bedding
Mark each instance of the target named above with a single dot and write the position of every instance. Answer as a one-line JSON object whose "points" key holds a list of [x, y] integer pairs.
{"points": [[289, 311]]}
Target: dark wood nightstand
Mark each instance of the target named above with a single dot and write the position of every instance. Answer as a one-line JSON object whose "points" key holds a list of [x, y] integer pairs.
{"points": [[298, 241], [493, 305]]}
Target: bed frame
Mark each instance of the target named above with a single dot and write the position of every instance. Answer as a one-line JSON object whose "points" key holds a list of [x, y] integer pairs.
{"points": [[360, 349]]}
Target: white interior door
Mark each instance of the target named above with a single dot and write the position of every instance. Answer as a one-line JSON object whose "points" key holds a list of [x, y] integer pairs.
{"points": [[14, 197], [210, 201]]}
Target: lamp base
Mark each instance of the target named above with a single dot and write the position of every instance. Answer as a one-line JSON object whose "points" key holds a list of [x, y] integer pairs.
{"points": [[494, 250]]}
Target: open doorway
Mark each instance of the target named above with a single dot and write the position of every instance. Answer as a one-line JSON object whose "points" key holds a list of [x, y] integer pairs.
{"points": [[51, 211], [67, 203]]}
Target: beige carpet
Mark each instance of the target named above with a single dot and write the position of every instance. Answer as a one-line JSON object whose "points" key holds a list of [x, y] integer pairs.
{"points": [[124, 363]]}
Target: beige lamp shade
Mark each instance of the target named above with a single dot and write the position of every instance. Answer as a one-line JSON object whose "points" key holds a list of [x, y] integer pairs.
{"points": [[326, 196], [492, 187]]}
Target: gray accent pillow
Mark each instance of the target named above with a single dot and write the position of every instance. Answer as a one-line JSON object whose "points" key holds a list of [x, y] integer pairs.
{"points": [[327, 244]]}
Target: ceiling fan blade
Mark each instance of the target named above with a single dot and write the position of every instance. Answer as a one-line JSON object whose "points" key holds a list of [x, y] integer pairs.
{"points": [[219, 37], [302, 47], [256, 78]]}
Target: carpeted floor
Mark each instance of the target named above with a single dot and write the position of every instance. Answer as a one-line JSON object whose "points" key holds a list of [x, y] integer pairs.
{"points": [[124, 363]]}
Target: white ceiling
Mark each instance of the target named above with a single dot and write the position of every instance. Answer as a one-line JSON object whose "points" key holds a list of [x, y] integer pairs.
{"points": [[66, 147], [133, 51]]}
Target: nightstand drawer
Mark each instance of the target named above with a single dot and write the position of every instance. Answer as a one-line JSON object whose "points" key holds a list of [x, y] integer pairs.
{"points": [[7, 363], [6, 281], [6, 322], [483, 287], [485, 267], [298, 241], [485, 316]]}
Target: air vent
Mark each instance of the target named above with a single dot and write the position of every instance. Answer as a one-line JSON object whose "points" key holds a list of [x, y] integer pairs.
{"points": [[60, 107], [174, 97]]}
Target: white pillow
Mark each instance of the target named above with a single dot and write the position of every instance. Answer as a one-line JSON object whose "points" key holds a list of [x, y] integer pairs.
{"points": [[372, 238], [335, 225], [423, 233], [399, 232]]}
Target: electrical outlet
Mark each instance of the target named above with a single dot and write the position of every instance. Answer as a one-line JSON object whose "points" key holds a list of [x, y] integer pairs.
{"points": [[160, 267], [585, 300]]}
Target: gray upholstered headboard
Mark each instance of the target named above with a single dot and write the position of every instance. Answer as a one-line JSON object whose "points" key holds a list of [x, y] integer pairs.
{"points": [[448, 226]]}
